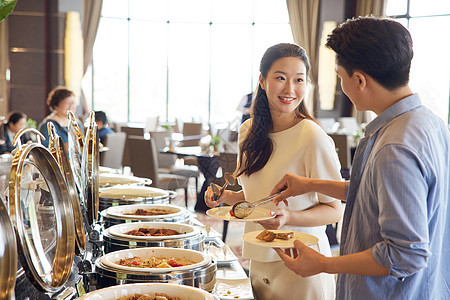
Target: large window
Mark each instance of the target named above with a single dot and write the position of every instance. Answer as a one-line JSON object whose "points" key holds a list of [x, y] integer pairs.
{"points": [[428, 22], [181, 58]]}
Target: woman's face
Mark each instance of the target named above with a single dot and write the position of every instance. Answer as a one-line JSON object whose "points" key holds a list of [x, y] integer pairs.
{"points": [[65, 105], [285, 84], [15, 128]]}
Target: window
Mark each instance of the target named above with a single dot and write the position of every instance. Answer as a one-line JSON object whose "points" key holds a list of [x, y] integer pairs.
{"points": [[430, 76], [181, 58]]}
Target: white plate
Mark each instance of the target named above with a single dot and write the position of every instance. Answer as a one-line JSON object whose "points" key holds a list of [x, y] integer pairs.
{"points": [[218, 255], [233, 289], [131, 192], [199, 258], [307, 239], [120, 230], [174, 290], [223, 213], [111, 179], [122, 211]]}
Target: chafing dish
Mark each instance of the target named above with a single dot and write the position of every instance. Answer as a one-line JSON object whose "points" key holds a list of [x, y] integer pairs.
{"points": [[111, 179], [41, 211], [120, 214], [132, 194], [173, 290], [201, 274], [115, 237], [8, 254]]}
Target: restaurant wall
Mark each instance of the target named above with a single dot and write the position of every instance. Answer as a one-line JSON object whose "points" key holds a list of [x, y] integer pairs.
{"points": [[36, 43]]}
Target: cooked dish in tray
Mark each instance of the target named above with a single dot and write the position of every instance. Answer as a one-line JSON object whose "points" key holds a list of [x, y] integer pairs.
{"points": [[157, 296], [150, 212], [153, 262], [269, 236], [144, 231]]}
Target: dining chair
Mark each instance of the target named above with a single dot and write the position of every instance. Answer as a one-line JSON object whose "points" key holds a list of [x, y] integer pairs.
{"points": [[113, 157], [191, 133], [151, 123], [167, 162], [126, 161], [144, 163]]}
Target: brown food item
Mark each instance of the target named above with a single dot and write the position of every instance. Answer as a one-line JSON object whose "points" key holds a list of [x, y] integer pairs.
{"points": [[285, 236], [150, 212], [158, 296], [266, 236], [152, 232]]}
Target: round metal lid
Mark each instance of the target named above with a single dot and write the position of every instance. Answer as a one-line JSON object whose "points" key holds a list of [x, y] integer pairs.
{"points": [[8, 254], [90, 170], [131, 192], [41, 211], [56, 147], [111, 179], [76, 145]]}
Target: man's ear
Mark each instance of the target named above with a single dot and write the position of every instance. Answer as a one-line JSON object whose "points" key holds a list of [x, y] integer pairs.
{"points": [[262, 81], [362, 80]]}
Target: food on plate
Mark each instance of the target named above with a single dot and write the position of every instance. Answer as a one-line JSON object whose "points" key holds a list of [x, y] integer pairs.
{"points": [[232, 213], [268, 236], [153, 262], [145, 231], [150, 212], [284, 235], [155, 296]]}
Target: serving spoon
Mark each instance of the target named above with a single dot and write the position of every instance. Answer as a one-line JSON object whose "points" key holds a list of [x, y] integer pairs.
{"points": [[243, 209], [218, 190]]}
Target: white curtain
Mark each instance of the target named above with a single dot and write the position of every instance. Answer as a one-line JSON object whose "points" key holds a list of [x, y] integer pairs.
{"points": [[304, 20]]}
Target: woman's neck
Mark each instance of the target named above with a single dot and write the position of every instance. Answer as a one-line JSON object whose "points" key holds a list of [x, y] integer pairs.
{"points": [[282, 122]]}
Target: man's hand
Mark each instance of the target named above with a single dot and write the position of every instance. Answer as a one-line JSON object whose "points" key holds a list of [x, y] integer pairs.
{"points": [[304, 261], [290, 185], [282, 217]]}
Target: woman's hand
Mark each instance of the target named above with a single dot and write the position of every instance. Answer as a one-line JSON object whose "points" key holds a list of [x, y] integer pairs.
{"points": [[281, 218], [290, 185], [209, 197]]}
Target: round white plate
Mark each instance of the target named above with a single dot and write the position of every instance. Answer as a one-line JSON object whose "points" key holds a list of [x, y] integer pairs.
{"points": [[121, 230], [223, 213], [198, 258], [307, 239], [174, 290]]}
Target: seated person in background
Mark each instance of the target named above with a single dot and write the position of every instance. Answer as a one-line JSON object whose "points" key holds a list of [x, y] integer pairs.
{"points": [[60, 100], [16, 121], [102, 123]]}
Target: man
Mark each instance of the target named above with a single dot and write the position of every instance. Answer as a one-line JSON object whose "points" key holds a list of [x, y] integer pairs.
{"points": [[102, 124], [395, 235]]}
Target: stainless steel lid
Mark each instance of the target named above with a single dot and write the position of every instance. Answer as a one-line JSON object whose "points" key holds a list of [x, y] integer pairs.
{"points": [[41, 211], [90, 170], [8, 254], [56, 147], [111, 179], [76, 145]]}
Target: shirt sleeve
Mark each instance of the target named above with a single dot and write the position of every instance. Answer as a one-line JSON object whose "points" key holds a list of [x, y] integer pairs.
{"points": [[399, 179]]}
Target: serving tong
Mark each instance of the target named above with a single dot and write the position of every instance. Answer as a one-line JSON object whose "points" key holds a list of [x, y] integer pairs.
{"points": [[243, 209], [218, 190]]}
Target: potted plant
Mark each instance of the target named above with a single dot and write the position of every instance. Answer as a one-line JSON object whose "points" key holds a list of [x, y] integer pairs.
{"points": [[215, 142]]}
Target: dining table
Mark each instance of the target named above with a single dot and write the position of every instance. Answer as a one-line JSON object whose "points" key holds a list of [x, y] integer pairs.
{"points": [[208, 165]]}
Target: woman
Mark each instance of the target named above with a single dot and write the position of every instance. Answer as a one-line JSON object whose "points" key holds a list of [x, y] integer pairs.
{"points": [[60, 100], [282, 137], [16, 121]]}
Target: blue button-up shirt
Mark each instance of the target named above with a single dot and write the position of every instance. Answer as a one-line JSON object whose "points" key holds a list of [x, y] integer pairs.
{"points": [[399, 206]]}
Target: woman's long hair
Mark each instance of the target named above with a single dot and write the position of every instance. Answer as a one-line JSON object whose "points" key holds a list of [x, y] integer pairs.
{"points": [[257, 147]]}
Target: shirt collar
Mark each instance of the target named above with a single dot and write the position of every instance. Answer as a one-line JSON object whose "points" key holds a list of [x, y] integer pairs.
{"points": [[392, 112]]}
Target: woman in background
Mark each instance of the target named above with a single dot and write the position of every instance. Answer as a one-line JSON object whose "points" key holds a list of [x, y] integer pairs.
{"points": [[281, 137], [16, 121], [60, 100]]}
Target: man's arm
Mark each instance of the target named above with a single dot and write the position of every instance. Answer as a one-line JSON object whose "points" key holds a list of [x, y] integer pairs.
{"points": [[293, 185], [307, 262]]}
